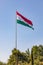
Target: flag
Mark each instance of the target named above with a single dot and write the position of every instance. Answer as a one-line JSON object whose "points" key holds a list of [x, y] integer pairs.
{"points": [[23, 20]]}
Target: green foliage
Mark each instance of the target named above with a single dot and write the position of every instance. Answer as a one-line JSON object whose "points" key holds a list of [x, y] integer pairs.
{"points": [[32, 59], [37, 52], [19, 56], [28, 55], [25, 58], [1, 63], [41, 50]]}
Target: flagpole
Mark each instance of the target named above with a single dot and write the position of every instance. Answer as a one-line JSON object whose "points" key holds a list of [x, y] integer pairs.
{"points": [[16, 34], [16, 63]]}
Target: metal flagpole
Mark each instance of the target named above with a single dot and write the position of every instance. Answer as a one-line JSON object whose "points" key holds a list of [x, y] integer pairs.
{"points": [[16, 34], [16, 43]]}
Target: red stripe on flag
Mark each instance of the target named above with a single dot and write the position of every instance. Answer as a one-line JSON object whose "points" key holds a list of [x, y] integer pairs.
{"points": [[25, 19]]}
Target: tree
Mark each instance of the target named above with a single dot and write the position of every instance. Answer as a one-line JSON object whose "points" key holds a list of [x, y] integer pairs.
{"points": [[21, 57], [1, 63], [35, 55], [41, 52], [14, 57], [28, 54], [32, 59]]}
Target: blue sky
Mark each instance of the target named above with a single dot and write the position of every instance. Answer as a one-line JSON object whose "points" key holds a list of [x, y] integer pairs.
{"points": [[26, 37]]}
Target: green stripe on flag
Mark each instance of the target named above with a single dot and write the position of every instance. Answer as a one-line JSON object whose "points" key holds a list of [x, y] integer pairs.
{"points": [[21, 22]]}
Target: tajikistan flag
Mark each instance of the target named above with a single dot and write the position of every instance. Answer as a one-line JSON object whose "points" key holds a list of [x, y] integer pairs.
{"points": [[24, 21]]}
